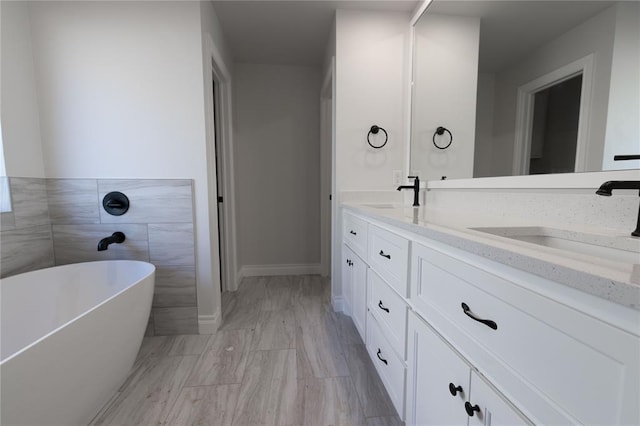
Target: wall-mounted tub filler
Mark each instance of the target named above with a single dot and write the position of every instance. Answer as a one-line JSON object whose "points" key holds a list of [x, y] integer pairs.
{"points": [[116, 237]]}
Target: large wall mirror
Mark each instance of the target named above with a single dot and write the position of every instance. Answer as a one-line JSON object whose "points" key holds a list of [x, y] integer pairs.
{"points": [[525, 87]]}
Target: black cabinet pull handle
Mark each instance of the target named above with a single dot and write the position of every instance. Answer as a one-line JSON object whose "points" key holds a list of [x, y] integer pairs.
{"points": [[454, 389], [470, 409], [352, 232], [381, 306], [388, 256], [467, 311], [380, 358]]}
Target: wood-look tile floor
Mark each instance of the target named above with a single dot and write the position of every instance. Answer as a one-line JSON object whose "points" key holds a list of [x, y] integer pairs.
{"points": [[281, 357]]}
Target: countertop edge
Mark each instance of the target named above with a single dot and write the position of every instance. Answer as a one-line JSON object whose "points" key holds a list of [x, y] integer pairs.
{"points": [[620, 292]]}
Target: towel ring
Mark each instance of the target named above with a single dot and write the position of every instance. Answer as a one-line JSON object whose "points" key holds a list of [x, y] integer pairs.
{"points": [[440, 131], [375, 129]]}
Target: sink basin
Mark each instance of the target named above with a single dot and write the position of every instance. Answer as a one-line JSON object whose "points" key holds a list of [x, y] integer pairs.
{"points": [[600, 247], [381, 206]]}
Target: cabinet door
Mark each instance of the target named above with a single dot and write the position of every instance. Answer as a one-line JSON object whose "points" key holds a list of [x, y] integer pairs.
{"points": [[438, 379], [488, 407], [347, 278], [359, 295]]}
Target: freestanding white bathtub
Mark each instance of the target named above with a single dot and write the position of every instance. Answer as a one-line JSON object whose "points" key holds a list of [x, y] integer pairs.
{"points": [[70, 335]]}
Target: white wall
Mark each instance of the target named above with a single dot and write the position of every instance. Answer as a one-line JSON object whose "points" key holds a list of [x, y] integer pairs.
{"points": [[482, 158], [372, 66], [623, 123], [593, 36], [330, 51], [372, 57], [445, 86], [19, 100], [121, 96], [211, 25], [277, 140]]}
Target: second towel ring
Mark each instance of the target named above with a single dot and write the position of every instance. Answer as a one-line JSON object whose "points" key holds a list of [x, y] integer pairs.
{"points": [[375, 129], [440, 131]]}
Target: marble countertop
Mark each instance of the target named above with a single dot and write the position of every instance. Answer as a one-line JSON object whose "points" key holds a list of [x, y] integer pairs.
{"points": [[618, 282]]}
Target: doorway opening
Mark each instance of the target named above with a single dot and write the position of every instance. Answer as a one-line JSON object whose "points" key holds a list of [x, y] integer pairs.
{"points": [[552, 121], [217, 141], [554, 133]]}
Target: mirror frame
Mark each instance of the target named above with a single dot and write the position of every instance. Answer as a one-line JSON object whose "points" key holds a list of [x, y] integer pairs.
{"points": [[575, 180]]}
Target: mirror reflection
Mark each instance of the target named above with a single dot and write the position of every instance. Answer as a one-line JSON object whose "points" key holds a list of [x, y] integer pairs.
{"points": [[525, 87]]}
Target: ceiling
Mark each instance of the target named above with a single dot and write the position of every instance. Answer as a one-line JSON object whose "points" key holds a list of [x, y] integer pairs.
{"points": [[293, 32], [509, 30]]}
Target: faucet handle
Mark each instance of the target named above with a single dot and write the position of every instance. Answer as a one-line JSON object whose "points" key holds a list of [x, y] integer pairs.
{"points": [[626, 157]]}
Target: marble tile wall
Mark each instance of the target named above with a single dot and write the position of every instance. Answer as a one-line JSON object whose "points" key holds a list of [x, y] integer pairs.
{"points": [[60, 221], [26, 242], [158, 227]]}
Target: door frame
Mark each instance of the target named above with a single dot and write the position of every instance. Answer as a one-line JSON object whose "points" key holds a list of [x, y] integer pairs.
{"points": [[524, 112], [218, 71], [327, 167]]}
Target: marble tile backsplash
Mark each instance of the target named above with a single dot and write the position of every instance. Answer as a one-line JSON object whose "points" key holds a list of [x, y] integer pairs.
{"points": [[60, 221], [545, 207]]}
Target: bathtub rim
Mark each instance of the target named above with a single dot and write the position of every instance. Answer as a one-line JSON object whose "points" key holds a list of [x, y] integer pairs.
{"points": [[93, 308]]}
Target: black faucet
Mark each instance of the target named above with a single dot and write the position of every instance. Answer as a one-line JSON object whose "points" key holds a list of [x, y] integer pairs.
{"points": [[116, 237], [606, 188], [415, 187]]}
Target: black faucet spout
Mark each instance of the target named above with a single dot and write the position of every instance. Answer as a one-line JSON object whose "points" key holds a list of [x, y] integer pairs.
{"points": [[606, 189], [116, 237]]}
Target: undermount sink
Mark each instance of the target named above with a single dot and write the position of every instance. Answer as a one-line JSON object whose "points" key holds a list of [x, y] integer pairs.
{"points": [[600, 247], [381, 206]]}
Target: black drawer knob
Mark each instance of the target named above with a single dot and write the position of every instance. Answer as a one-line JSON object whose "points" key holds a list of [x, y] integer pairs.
{"points": [[454, 389], [352, 232], [470, 409], [383, 254]]}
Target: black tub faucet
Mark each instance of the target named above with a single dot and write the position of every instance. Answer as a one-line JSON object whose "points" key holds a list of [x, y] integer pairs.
{"points": [[116, 237], [415, 187], [607, 188]]}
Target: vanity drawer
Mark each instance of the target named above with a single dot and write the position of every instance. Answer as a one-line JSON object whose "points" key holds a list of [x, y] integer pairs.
{"points": [[390, 310], [354, 233], [588, 368], [392, 370], [389, 256]]}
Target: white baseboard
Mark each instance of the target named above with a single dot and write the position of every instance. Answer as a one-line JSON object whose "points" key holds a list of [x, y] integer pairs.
{"points": [[270, 270], [208, 324], [338, 304]]}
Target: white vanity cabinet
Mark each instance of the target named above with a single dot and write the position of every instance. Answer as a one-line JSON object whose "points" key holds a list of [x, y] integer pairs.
{"points": [[558, 364], [375, 292], [354, 270], [354, 279], [519, 347], [444, 389]]}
